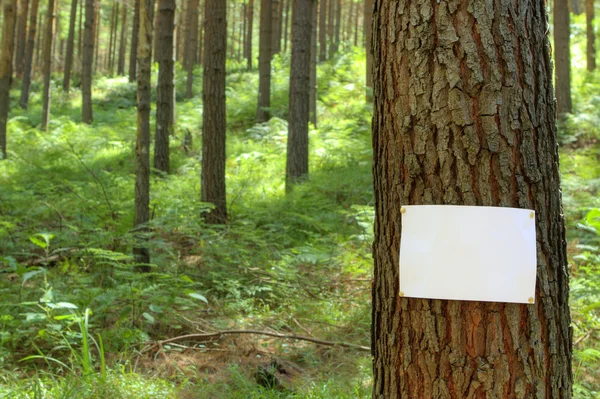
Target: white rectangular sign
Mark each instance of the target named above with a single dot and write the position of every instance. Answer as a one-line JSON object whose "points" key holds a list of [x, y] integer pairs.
{"points": [[468, 253]]}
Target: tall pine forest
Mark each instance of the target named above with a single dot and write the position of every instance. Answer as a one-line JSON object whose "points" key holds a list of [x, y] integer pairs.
{"points": [[203, 198]]}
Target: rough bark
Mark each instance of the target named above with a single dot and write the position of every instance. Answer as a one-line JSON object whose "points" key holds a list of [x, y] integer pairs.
{"points": [[464, 115], [122, 42], [338, 25], [24, 100], [331, 27], [233, 25], [21, 37], [200, 34], [6, 60], [264, 62], [80, 35], [356, 25], [297, 144], [70, 47], [88, 58], [323, 30], [591, 47], [562, 57], [368, 13], [250, 31], [142, 146], [135, 30], [191, 44], [164, 96], [313, 62], [47, 60], [214, 117]]}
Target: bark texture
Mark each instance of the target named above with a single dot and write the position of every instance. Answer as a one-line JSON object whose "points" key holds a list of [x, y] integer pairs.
{"points": [[591, 47], [164, 95], [24, 100], [6, 59], [142, 145], [122, 42], [47, 60], [464, 114], [213, 117], [88, 59], [562, 56], [298, 115], [275, 26], [135, 30], [313, 63], [70, 47], [264, 62]]}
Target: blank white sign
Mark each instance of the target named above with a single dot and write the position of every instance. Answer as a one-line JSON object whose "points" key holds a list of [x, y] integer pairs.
{"points": [[468, 253]]}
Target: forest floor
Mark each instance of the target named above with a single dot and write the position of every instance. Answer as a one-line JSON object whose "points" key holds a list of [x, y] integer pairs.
{"points": [[285, 264]]}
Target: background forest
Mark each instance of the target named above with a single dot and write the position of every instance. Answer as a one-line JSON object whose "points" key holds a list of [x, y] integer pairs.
{"points": [[124, 229]]}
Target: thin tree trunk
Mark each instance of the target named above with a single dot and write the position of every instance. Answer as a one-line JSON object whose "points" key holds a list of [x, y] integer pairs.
{"points": [[122, 42], [297, 144], [241, 36], [368, 13], [356, 24], [200, 34], [338, 25], [21, 37], [190, 51], [591, 48], [349, 22], [80, 36], [331, 27], [323, 30], [275, 32], [250, 31], [97, 24], [24, 100], [214, 117], [562, 57], [181, 33], [264, 62], [244, 28], [135, 30], [286, 26], [466, 117], [70, 45], [6, 60], [313, 62], [233, 23], [39, 44], [113, 53], [142, 147], [47, 59], [164, 97], [88, 59], [113, 33]]}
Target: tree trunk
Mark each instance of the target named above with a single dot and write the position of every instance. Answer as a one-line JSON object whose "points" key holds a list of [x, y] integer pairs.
{"points": [[88, 58], [164, 96], [591, 48], [191, 45], [464, 115], [47, 60], [21, 37], [562, 57], [200, 34], [297, 144], [113, 51], [250, 29], [213, 117], [122, 42], [368, 13], [286, 19], [243, 33], [264, 62], [6, 60], [24, 101], [233, 24], [96, 32], [80, 36], [331, 27], [70, 45], [275, 32], [356, 25], [349, 23], [142, 147], [135, 30], [323, 30], [338, 25], [313, 62]]}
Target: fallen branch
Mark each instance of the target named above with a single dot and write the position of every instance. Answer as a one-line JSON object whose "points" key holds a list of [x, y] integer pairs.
{"points": [[220, 334]]}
